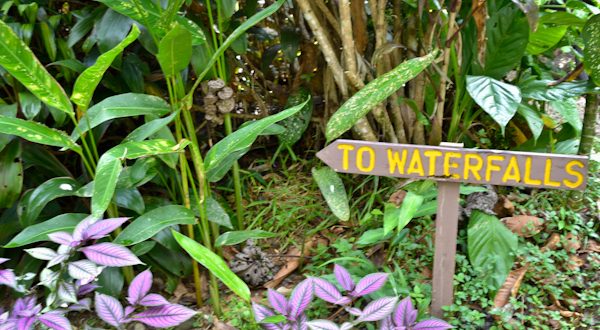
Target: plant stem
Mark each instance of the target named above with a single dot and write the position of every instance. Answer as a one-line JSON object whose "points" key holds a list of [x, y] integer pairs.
{"points": [[237, 186]]}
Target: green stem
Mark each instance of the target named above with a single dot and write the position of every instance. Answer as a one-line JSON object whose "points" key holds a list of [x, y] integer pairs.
{"points": [[237, 185]]}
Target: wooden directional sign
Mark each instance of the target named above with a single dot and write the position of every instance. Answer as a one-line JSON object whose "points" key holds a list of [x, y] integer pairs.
{"points": [[451, 165], [497, 167]]}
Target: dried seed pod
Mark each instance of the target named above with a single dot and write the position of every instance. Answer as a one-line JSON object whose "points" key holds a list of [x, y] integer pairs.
{"points": [[225, 93], [215, 86], [210, 99], [253, 265], [210, 108], [218, 120], [226, 106]]}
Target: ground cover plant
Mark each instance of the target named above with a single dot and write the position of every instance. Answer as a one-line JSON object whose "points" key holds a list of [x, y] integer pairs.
{"points": [[170, 145]]}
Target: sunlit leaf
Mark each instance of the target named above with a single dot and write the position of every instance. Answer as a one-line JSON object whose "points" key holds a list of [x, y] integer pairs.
{"points": [[500, 100], [333, 190]]}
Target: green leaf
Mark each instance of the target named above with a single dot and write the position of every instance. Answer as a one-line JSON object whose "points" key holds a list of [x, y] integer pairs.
{"points": [[373, 93], [30, 105], [507, 33], [8, 111], [39, 232], [237, 237], [333, 191], [567, 108], [175, 51], [36, 132], [373, 236], [216, 213], [148, 129], [399, 217], [561, 18], [296, 125], [427, 209], [43, 194], [218, 159], [21, 63], [214, 264], [143, 247], [147, 13], [11, 174], [500, 100], [273, 319], [120, 106], [543, 90], [150, 223], [240, 30], [534, 121], [131, 199], [491, 247], [109, 167], [86, 83], [545, 38], [111, 281], [591, 40]]}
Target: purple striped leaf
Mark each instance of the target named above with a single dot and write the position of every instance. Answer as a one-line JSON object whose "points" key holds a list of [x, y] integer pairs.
{"points": [[81, 228], [153, 299], [84, 270], [302, 322], [300, 298], [9, 325], [405, 314], [109, 309], [322, 325], [354, 311], [139, 287], [432, 324], [343, 301], [84, 304], [343, 277], [3, 260], [260, 313], [164, 316], [346, 326], [326, 291], [111, 255], [42, 253], [86, 288], [67, 293], [55, 321], [102, 228], [387, 324], [278, 302], [128, 311], [378, 309], [25, 323], [369, 284], [61, 237], [24, 304], [8, 278]]}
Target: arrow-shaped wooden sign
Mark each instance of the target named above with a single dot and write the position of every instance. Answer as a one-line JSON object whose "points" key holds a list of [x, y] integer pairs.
{"points": [[496, 167]]}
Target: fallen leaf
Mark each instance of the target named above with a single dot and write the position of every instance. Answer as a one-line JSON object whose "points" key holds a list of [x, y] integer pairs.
{"points": [[552, 243], [592, 246], [510, 287], [572, 243], [504, 207], [397, 197], [294, 259], [569, 314], [575, 262], [524, 225]]}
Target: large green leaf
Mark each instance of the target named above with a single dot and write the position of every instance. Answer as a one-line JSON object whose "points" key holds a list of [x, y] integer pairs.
{"points": [[491, 247], [214, 264], [237, 237], [22, 64], [148, 129], [130, 198], [545, 90], [591, 39], [218, 159], [567, 108], [150, 223], [534, 121], [147, 13], [374, 93], [175, 51], [399, 217], [507, 33], [216, 213], [561, 18], [109, 167], [500, 100], [33, 204], [39, 232], [119, 106], [296, 125], [36, 132], [333, 191], [545, 38], [11, 174], [86, 83]]}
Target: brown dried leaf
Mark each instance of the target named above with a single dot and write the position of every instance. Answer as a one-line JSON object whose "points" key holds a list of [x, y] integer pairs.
{"points": [[397, 197], [294, 258], [552, 243], [524, 225], [480, 17], [592, 246], [510, 287], [504, 207], [575, 262], [572, 243]]}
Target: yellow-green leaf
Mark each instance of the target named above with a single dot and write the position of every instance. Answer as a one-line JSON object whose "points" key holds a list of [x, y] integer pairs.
{"points": [[22, 64], [175, 51], [36, 132]]}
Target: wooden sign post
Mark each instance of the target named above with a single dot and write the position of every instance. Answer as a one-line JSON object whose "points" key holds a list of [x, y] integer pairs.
{"points": [[451, 165]]}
